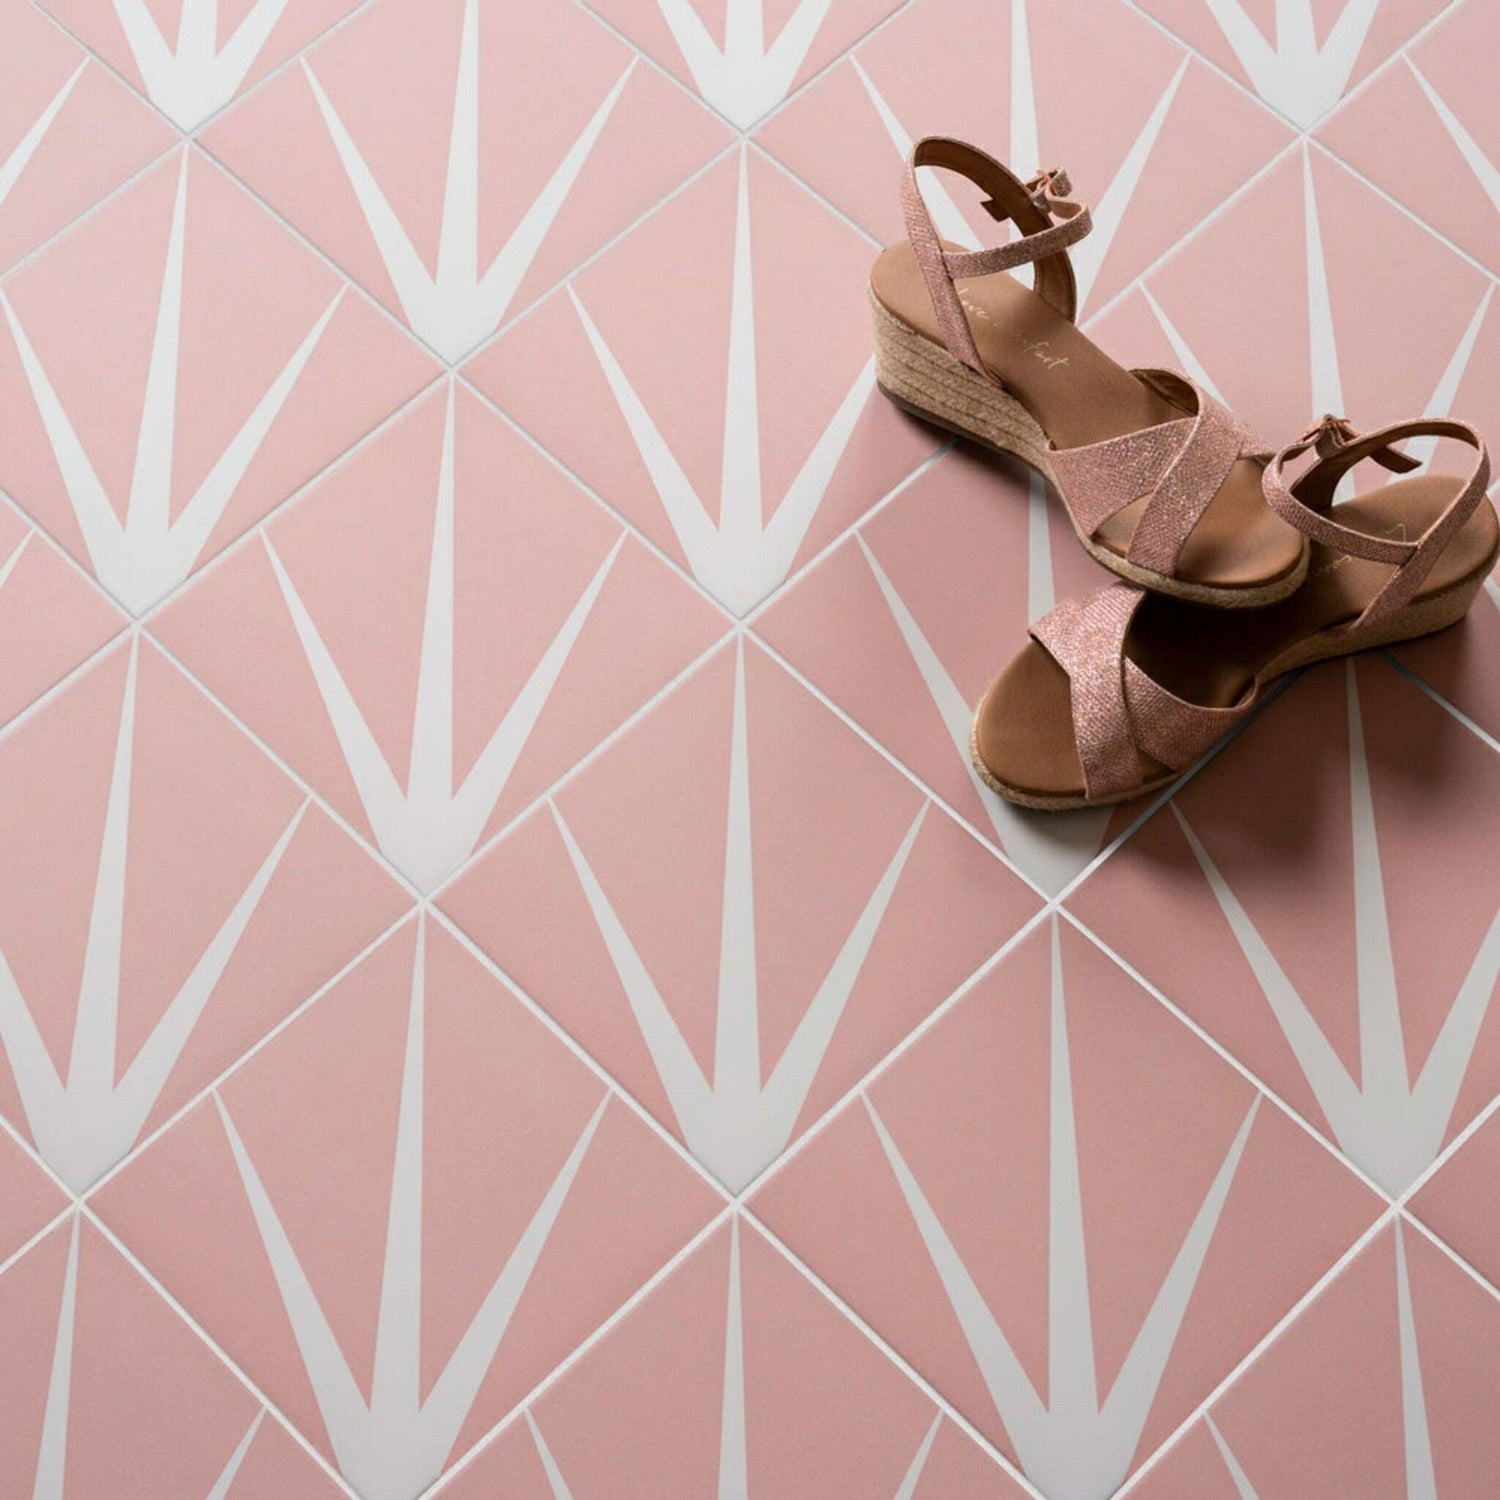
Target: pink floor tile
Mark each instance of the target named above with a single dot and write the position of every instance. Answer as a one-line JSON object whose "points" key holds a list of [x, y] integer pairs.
{"points": [[166, 896], [487, 624], [907, 622], [1301, 57], [405, 1210], [711, 418], [1071, 1252], [28, 1197], [110, 1396], [1432, 118], [1152, 138], [1384, 1385], [191, 57], [375, 147], [744, 57], [1321, 899], [175, 366], [69, 133], [1459, 1200], [50, 619], [739, 909], [734, 1377]]}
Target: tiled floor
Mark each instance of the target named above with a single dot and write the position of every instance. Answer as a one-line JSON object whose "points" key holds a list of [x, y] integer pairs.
{"points": [[508, 987]]}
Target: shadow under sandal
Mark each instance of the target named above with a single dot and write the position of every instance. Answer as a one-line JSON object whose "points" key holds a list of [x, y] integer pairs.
{"points": [[1161, 483], [1118, 692]]}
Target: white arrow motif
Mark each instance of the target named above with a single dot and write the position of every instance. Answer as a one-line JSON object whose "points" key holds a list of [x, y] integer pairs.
{"points": [[198, 77], [396, 1443], [1049, 849], [456, 308], [739, 1122], [1297, 76], [1071, 1444], [746, 554], [1390, 1126], [52, 1453], [746, 76], [24, 149], [149, 554], [85, 1121], [429, 827], [734, 1461]]}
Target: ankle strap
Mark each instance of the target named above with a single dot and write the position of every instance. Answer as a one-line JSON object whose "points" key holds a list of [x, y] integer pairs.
{"points": [[1308, 501], [1048, 219]]}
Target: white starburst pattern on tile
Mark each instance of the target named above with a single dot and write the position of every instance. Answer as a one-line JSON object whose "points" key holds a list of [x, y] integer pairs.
{"points": [[143, 558], [86, 1120], [738, 1122], [460, 304], [1071, 1444], [396, 1443], [430, 826], [1486, 173], [1389, 1124], [746, 554]]}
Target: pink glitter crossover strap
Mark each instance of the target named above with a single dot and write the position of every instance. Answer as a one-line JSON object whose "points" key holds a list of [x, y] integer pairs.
{"points": [[1049, 222], [1308, 501], [1179, 464]]}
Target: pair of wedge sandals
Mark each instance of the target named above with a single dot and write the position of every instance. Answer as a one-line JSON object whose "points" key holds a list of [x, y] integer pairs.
{"points": [[1236, 565]]}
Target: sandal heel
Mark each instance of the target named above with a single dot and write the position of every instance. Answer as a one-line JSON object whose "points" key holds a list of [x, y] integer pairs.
{"points": [[924, 379]]}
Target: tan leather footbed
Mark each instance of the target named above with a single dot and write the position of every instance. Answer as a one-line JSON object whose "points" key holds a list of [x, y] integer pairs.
{"points": [[1024, 728], [1079, 395]]}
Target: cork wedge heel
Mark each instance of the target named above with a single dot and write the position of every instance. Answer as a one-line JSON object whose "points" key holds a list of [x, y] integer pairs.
{"points": [[1117, 693], [1160, 482]]}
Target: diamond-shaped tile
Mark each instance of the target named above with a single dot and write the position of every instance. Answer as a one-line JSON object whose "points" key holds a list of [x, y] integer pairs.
{"points": [[50, 619], [734, 1377], [28, 1197], [486, 624], [737, 435], [745, 57], [166, 896], [191, 57], [1459, 1200], [1152, 138], [1066, 1212], [906, 623], [739, 909], [1384, 1385], [176, 365], [457, 156], [109, 1396], [1300, 56], [405, 1210], [1428, 131], [1322, 899], [69, 133]]}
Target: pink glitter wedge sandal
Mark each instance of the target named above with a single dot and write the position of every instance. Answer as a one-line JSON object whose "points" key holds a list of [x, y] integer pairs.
{"points": [[1116, 693], [1161, 483]]}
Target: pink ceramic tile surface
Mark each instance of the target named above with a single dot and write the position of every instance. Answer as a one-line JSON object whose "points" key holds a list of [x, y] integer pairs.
{"points": [[175, 366], [1428, 131], [1073, 1253], [69, 133], [1458, 1201], [28, 1197], [906, 623], [1150, 136], [735, 1376], [390, 1217], [376, 148], [191, 57], [50, 619], [166, 897], [110, 1396], [807, 907], [1300, 56], [1294, 901], [737, 435], [485, 625], [1383, 1386]]}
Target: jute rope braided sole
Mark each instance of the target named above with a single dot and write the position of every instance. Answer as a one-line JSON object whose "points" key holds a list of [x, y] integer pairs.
{"points": [[922, 378]]}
